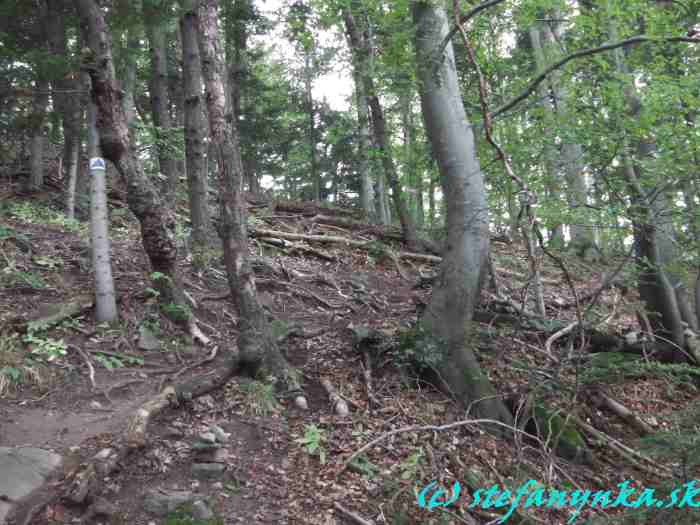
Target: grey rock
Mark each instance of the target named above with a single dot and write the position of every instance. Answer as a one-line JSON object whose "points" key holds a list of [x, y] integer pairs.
{"points": [[147, 339], [24, 469], [208, 470], [161, 502], [201, 511], [221, 435], [207, 437]]}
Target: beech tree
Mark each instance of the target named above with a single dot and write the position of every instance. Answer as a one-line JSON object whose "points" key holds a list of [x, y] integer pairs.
{"points": [[448, 317]]}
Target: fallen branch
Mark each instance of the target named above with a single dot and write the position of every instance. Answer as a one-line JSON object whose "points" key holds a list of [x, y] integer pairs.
{"points": [[261, 233], [86, 358], [350, 515], [419, 428]]}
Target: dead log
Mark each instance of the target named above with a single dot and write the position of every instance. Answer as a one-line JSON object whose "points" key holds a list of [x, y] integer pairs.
{"points": [[310, 209], [260, 232]]}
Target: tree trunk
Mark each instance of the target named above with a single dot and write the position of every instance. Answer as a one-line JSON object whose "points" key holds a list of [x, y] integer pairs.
{"points": [[157, 221], [195, 132], [361, 67], [105, 300], [653, 230], [362, 46], [449, 315], [37, 140], [556, 238], [154, 15], [257, 346], [311, 134]]}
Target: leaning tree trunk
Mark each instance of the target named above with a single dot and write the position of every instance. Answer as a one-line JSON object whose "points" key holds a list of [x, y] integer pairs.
{"points": [[449, 315], [160, 110], [257, 346], [157, 221], [195, 133]]}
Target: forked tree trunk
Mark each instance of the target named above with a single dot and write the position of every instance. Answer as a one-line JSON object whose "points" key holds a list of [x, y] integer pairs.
{"points": [[157, 221], [257, 346], [449, 314], [195, 132]]}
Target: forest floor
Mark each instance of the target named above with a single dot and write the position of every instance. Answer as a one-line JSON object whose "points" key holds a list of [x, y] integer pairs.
{"points": [[283, 465]]}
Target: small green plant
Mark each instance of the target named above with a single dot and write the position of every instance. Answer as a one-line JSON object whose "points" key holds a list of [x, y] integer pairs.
{"points": [[260, 398], [15, 368], [312, 442], [410, 466], [45, 347], [177, 312], [421, 348], [48, 262], [151, 292], [183, 516]]}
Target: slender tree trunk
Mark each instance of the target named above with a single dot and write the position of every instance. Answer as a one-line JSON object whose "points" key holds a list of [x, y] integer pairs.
{"points": [[311, 116], [176, 95], [257, 346], [154, 13], [195, 132], [37, 140], [360, 67], [105, 299], [450, 311], [157, 220], [362, 46], [571, 161], [550, 154]]}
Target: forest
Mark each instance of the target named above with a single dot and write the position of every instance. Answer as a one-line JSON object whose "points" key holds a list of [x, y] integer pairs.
{"points": [[345, 262]]}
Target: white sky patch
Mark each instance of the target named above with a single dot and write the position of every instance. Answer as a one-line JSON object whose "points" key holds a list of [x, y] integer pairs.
{"points": [[335, 87]]}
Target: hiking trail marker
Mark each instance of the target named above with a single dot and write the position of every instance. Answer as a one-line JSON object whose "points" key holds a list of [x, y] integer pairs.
{"points": [[97, 163]]}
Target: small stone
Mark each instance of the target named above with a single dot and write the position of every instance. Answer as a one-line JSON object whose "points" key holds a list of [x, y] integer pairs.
{"points": [[208, 470], [220, 455], [96, 405], [217, 486], [173, 433], [160, 503], [147, 339], [207, 437], [201, 511], [221, 435]]}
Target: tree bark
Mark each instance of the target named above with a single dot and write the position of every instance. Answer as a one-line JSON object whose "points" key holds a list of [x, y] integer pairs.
{"points": [[195, 133], [257, 347], [157, 221], [449, 315], [105, 299], [363, 47], [653, 230], [361, 67], [154, 13]]}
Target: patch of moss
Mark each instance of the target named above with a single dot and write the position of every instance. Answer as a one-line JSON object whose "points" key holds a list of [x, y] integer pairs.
{"points": [[566, 441], [421, 348]]}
